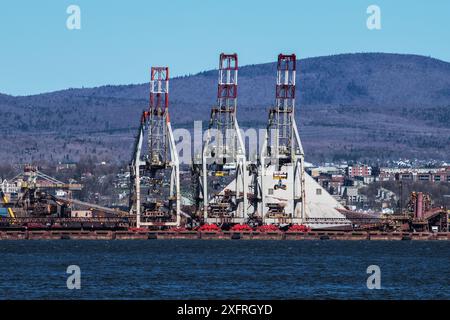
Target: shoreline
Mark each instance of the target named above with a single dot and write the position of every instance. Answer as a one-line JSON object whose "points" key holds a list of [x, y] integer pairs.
{"points": [[225, 235]]}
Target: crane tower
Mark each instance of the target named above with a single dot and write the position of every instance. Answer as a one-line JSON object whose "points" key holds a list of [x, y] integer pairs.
{"points": [[154, 170], [223, 157], [282, 157]]}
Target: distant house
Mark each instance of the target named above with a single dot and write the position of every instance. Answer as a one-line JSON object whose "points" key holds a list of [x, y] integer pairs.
{"points": [[415, 174], [331, 182], [315, 172], [336, 183], [8, 187], [359, 171], [352, 195], [65, 166], [385, 194], [443, 175]]}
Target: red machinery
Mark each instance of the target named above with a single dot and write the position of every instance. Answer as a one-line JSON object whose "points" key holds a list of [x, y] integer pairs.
{"points": [[241, 228], [268, 228], [209, 228], [298, 228]]}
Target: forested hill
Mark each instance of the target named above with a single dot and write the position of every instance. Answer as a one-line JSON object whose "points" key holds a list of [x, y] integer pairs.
{"points": [[350, 106]]}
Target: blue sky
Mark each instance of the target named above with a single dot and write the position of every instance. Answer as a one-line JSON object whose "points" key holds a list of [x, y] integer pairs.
{"points": [[119, 40]]}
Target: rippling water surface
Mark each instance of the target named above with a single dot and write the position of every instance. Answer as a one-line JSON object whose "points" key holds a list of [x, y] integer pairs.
{"points": [[201, 269]]}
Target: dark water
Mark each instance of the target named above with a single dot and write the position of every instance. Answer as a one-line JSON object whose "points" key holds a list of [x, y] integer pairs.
{"points": [[203, 269]]}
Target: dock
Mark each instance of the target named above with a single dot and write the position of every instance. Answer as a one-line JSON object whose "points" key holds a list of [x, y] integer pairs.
{"points": [[224, 235]]}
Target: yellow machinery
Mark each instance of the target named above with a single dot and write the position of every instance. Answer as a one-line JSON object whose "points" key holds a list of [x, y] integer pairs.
{"points": [[5, 201]]}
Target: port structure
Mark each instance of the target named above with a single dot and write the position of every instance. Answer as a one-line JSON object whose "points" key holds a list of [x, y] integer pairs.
{"points": [[34, 195], [154, 169], [282, 173], [223, 154]]}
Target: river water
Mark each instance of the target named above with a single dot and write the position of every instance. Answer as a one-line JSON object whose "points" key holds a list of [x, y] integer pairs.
{"points": [[223, 269]]}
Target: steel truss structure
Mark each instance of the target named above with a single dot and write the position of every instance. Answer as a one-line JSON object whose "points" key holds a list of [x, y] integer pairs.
{"points": [[224, 152], [154, 167], [282, 173]]}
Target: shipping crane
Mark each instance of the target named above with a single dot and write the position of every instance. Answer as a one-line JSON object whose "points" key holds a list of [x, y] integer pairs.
{"points": [[155, 197], [223, 156], [282, 157]]}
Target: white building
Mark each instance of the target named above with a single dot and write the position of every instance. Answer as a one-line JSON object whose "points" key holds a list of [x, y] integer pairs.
{"points": [[9, 188]]}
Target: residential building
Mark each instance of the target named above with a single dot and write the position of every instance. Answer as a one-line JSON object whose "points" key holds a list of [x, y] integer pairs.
{"points": [[360, 170]]}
